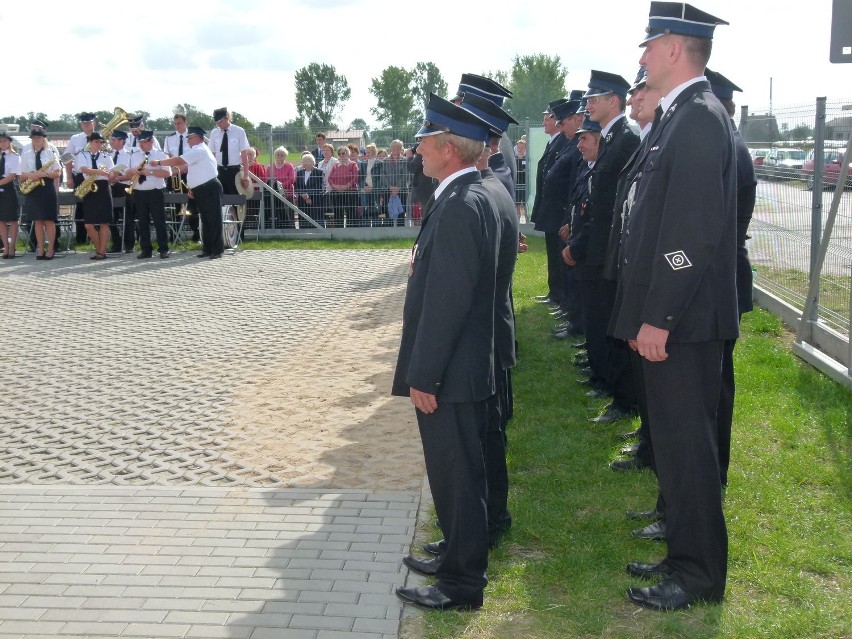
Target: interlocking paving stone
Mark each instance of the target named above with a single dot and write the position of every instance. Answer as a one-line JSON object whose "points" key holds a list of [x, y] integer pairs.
{"points": [[125, 510]]}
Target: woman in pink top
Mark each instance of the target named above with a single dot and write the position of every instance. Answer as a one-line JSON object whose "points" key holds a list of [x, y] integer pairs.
{"points": [[282, 178], [343, 184]]}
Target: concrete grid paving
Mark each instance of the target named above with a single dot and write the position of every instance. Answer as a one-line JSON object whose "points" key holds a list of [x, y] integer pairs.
{"points": [[122, 512]]}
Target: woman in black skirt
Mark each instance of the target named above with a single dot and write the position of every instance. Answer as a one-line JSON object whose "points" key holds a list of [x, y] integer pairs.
{"points": [[97, 214], [41, 205], [9, 161]]}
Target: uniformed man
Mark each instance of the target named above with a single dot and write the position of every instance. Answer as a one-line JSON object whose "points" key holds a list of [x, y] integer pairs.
{"points": [[123, 228], [205, 188], [229, 145], [547, 211], [73, 176], [148, 195], [174, 146], [446, 356], [676, 302], [137, 125]]}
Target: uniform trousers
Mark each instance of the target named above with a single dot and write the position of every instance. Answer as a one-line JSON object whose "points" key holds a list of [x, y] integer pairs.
{"points": [[151, 207], [452, 439], [645, 452], [683, 396], [227, 178], [596, 314], [208, 202], [619, 376], [555, 284], [497, 476], [725, 413]]}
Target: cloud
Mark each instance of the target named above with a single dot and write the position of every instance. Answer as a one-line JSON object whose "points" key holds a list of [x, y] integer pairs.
{"points": [[158, 58], [218, 34]]}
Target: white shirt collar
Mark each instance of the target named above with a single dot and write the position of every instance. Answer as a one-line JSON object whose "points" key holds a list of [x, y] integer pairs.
{"points": [[669, 99], [450, 178], [610, 124], [645, 130]]}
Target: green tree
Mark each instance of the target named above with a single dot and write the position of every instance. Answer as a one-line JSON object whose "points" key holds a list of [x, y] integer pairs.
{"points": [[426, 79], [501, 76], [359, 124], [394, 98], [535, 80], [195, 116], [320, 94]]}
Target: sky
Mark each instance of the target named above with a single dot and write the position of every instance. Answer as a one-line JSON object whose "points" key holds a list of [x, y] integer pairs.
{"points": [[246, 58]]}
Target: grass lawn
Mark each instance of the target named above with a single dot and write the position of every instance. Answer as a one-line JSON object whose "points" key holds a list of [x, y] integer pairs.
{"points": [[560, 572]]}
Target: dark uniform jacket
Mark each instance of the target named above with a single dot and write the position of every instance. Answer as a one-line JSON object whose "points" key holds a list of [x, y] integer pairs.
{"points": [[679, 244], [625, 180], [746, 194], [497, 164], [542, 218], [556, 190], [578, 202], [447, 346], [589, 243], [504, 314]]}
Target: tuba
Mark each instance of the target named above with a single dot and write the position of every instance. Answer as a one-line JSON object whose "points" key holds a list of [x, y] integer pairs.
{"points": [[120, 118]]}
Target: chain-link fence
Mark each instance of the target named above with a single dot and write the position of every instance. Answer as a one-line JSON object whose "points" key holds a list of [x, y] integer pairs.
{"points": [[798, 156]]}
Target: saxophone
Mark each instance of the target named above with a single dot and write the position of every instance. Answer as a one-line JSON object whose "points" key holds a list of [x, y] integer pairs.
{"points": [[87, 186], [27, 186], [135, 180]]}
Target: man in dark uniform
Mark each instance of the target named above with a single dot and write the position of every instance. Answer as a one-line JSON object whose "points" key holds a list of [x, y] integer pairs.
{"points": [[746, 193], [446, 355], [587, 247], [676, 302], [548, 208]]}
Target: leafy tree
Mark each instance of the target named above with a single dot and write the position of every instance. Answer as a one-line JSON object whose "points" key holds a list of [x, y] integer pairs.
{"points": [[359, 124], [394, 98], [426, 79], [500, 76], [535, 80], [240, 120], [320, 94], [195, 116]]}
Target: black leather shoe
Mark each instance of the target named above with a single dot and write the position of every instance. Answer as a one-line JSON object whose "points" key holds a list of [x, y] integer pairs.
{"points": [[164, 254], [215, 256], [654, 532], [597, 393], [631, 449], [586, 370], [579, 345], [645, 571], [430, 598], [652, 514], [541, 297], [612, 414], [630, 435], [562, 335], [115, 250], [559, 328], [426, 567], [544, 300], [202, 254], [629, 464], [435, 547], [144, 255], [664, 596]]}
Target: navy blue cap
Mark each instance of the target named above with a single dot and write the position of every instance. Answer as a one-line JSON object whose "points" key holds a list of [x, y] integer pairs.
{"points": [[196, 130], [135, 122], [581, 108], [639, 82], [218, 114], [721, 87], [39, 123], [87, 117], [145, 135], [442, 116], [553, 104], [576, 94], [119, 135], [679, 18], [496, 117], [483, 87], [565, 109], [95, 136], [602, 83], [589, 126]]}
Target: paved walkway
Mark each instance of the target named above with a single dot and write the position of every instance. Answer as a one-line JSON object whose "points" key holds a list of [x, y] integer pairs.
{"points": [[125, 510]]}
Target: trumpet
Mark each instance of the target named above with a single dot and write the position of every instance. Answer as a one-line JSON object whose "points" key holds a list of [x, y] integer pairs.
{"points": [[27, 186]]}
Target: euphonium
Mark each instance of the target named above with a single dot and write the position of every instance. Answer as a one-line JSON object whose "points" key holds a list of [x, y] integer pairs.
{"points": [[27, 186], [119, 118]]}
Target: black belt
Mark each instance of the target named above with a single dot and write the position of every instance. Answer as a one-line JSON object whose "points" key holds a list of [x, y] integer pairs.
{"points": [[204, 184]]}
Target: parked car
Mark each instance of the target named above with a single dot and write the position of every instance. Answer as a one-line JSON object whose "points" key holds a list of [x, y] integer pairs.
{"points": [[833, 159], [784, 164], [757, 156]]}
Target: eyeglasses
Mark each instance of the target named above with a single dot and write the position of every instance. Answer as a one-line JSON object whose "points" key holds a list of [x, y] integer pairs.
{"points": [[597, 98]]}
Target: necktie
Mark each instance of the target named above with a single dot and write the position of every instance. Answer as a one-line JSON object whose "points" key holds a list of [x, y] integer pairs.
{"points": [[2, 164], [38, 160], [95, 160], [658, 114], [224, 148], [134, 141], [180, 145], [115, 157]]}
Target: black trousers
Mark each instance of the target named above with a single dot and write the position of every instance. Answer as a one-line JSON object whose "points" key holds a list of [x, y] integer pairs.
{"points": [[452, 439], [497, 476], [151, 207], [645, 452], [725, 412], [683, 396], [227, 175], [596, 319], [208, 203], [553, 247], [80, 235], [129, 237], [619, 376]]}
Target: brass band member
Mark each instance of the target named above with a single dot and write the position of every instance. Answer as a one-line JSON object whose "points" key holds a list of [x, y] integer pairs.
{"points": [[98, 200], [41, 206], [9, 162], [230, 146], [123, 228], [73, 176], [205, 188], [175, 145], [148, 195]]}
